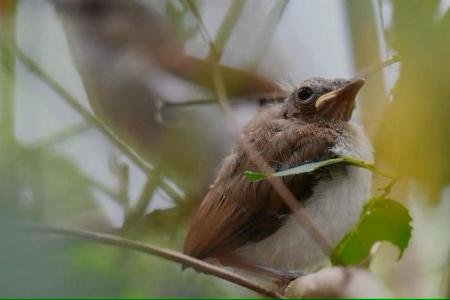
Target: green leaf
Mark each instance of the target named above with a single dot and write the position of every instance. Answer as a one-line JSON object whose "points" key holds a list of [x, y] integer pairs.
{"points": [[306, 168], [382, 219], [255, 176]]}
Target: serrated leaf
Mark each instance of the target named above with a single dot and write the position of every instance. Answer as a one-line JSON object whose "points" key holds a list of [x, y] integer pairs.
{"points": [[306, 168], [381, 220]]}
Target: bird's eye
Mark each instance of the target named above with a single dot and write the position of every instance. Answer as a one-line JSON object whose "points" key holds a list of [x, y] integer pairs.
{"points": [[304, 93]]}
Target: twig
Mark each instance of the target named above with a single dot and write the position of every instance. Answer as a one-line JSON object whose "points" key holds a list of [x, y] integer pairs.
{"points": [[386, 190], [266, 32], [161, 252], [370, 70], [7, 73], [61, 135], [257, 158], [228, 24], [273, 97], [136, 212]]}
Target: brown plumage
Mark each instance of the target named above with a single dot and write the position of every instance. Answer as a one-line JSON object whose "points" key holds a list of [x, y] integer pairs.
{"points": [[235, 211]]}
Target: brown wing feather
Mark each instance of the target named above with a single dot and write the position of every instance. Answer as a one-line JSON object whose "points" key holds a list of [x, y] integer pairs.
{"points": [[236, 211]]}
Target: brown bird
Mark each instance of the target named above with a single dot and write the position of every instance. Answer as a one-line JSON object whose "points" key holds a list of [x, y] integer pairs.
{"points": [[126, 54], [247, 225]]}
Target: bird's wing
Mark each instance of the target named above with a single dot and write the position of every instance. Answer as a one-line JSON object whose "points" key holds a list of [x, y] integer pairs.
{"points": [[236, 211]]}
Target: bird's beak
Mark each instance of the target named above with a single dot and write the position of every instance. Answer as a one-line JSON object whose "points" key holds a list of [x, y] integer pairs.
{"points": [[339, 104]]}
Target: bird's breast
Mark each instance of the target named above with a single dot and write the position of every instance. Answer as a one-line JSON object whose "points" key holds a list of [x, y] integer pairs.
{"points": [[334, 208]]}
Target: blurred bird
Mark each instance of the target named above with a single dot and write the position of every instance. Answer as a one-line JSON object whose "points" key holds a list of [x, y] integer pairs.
{"points": [[131, 63], [128, 57], [247, 225]]}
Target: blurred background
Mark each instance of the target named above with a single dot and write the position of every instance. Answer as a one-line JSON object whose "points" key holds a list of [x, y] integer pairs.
{"points": [[109, 122]]}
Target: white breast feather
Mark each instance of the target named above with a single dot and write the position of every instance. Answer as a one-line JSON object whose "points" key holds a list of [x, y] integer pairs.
{"points": [[334, 208]]}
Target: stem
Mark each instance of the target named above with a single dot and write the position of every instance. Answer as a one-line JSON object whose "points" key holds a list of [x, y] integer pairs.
{"points": [[61, 135], [387, 189], [168, 254], [372, 69], [227, 26], [135, 213], [266, 31], [273, 97], [7, 71]]}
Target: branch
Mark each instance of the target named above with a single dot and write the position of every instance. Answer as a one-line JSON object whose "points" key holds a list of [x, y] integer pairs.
{"points": [[61, 135], [7, 72], [136, 212], [261, 99], [168, 254], [372, 69]]}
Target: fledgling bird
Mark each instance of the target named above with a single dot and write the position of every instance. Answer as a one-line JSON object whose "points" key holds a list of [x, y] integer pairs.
{"points": [[247, 225]]}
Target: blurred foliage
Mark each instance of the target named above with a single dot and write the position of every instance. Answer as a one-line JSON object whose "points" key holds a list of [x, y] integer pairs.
{"points": [[6, 6], [39, 183], [179, 16], [415, 131], [46, 186], [382, 219]]}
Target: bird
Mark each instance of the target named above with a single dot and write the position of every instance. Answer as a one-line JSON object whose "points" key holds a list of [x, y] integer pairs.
{"points": [[133, 67], [247, 225], [129, 58]]}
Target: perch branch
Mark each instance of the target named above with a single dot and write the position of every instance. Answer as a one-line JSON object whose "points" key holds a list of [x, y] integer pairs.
{"points": [[161, 252]]}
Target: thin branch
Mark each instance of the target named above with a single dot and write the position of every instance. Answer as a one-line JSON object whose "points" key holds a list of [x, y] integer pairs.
{"points": [[386, 190], [203, 31], [290, 200], [135, 213], [265, 34], [61, 135], [7, 73], [263, 98], [105, 189], [168, 254], [225, 30], [372, 69]]}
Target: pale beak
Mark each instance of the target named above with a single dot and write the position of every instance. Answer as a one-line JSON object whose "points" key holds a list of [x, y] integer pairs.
{"points": [[339, 104]]}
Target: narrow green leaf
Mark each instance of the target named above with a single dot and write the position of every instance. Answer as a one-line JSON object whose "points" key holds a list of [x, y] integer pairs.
{"points": [[255, 176], [306, 168], [382, 219]]}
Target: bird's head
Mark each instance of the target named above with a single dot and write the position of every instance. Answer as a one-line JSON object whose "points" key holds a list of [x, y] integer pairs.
{"points": [[324, 99]]}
